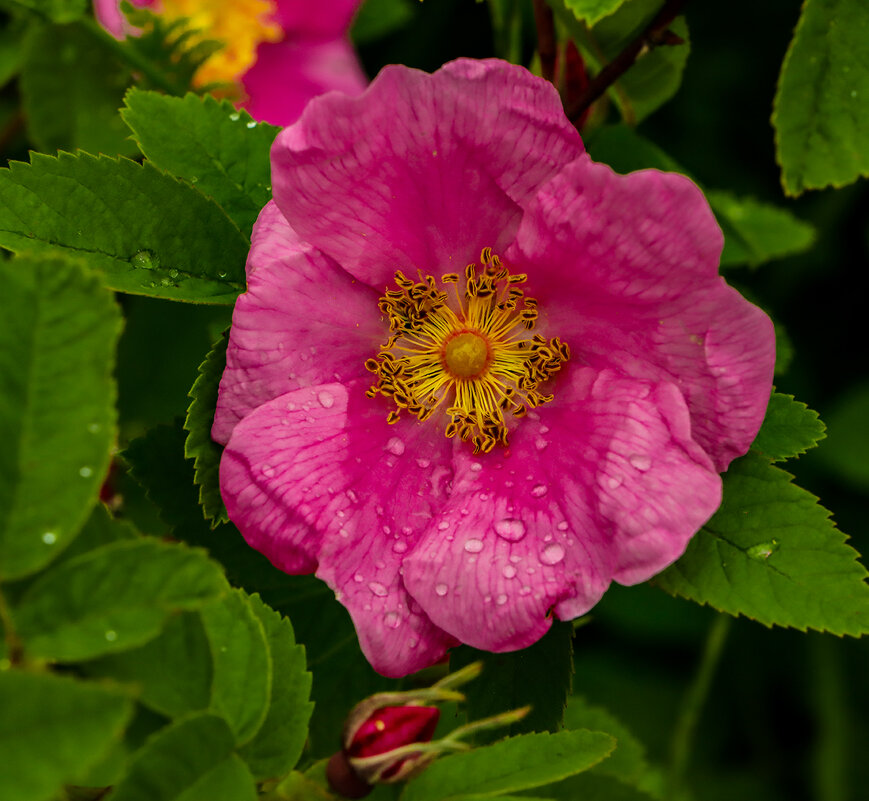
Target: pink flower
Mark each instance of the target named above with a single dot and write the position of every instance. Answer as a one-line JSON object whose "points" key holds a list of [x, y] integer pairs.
{"points": [[599, 431], [278, 53]]}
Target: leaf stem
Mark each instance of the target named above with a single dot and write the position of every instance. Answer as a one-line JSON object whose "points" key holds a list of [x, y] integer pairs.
{"points": [[545, 22], [129, 56], [655, 34], [695, 697]]}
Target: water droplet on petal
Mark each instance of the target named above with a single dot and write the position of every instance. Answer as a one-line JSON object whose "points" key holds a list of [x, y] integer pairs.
{"points": [[352, 496], [441, 589], [86, 472], [539, 490], [562, 526], [327, 399], [640, 461], [268, 471], [400, 546], [443, 525], [510, 529], [111, 636], [473, 546], [614, 482], [476, 467], [358, 578], [395, 446], [49, 538], [541, 443], [392, 620], [509, 571], [378, 589], [422, 464], [552, 554]]}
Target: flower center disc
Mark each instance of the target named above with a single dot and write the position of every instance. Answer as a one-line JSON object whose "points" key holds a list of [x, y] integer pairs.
{"points": [[469, 351], [466, 355]]}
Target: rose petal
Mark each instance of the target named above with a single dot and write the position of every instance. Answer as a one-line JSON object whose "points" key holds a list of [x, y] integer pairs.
{"points": [[302, 321], [625, 270], [364, 492], [604, 484], [424, 170]]}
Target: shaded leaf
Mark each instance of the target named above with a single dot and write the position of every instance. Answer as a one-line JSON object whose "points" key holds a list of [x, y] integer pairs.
{"points": [[518, 763], [199, 446], [71, 88], [57, 414], [113, 598], [378, 18], [844, 453], [789, 429], [592, 11], [771, 553], [820, 113], [214, 145], [145, 231], [191, 760], [52, 730], [55, 10], [513, 680]]}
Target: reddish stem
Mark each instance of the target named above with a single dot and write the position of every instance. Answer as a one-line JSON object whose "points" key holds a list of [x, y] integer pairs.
{"points": [[545, 22]]}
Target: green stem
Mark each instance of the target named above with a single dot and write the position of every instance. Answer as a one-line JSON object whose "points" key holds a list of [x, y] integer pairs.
{"points": [[833, 736], [129, 56], [692, 705]]}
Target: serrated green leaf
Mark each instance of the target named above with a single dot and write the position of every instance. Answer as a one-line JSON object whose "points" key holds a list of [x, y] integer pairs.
{"points": [[191, 760], [518, 763], [592, 11], [512, 680], [53, 729], [653, 79], [771, 553], [790, 428], [199, 446], [279, 742], [209, 143], [173, 671], [242, 682], [820, 113], [145, 231], [54, 10], [57, 416], [71, 88], [113, 598], [378, 18], [754, 232]]}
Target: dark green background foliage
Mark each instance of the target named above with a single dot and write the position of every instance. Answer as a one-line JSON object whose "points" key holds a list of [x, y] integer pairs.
{"points": [[147, 649]]}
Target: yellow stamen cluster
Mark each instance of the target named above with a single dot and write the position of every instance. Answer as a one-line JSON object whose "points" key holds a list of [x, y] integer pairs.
{"points": [[239, 26], [471, 350]]}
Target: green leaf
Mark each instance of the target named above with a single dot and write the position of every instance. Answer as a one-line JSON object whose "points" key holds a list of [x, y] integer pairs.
{"points": [[378, 18], [57, 416], [100, 529], [754, 232], [279, 742], [518, 763], [789, 429], [53, 729], [771, 553], [593, 11], [592, 786], [212, 144], [71, 87], [199, 446], [10, 49], [54, 10], [173, 671], [191, 760], [820, 113], [113, 598], [145, 231], [512, 680], [844, 453], [242, 683], [653, 79]]}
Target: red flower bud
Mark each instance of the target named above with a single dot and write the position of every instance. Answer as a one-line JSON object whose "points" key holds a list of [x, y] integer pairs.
{"points": [[392, 727]]}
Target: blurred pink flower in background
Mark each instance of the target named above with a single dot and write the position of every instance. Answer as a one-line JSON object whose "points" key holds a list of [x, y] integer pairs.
{"points": [[277, 53], [460, 451]]}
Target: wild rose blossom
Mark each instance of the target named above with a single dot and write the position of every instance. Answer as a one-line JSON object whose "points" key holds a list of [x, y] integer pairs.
{"points": [[459, 451], [278, 53]]}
